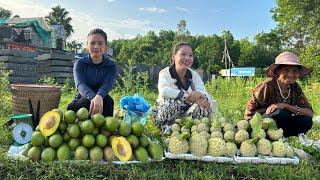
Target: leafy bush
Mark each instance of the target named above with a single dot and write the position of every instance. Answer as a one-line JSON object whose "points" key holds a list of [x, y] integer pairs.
{"points": [[5, 94], [68, 86], [5, 106], [132, 82], [311, 58]]}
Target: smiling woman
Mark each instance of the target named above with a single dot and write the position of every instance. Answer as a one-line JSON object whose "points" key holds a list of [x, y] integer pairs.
{"points": [[281, 96], [94, 76], [181, 91]]}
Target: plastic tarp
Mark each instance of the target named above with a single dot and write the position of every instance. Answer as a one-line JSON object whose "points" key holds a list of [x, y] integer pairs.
{"points": [[237, 159], [43, 34], [16, 152], [3, 22]]}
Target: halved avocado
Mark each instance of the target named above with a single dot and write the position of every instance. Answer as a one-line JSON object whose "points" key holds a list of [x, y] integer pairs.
{"points": [[49, 123], [61, 113], [121, 148]]}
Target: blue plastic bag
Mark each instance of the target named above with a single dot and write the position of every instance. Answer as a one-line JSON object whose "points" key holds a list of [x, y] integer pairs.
{"points": [[136, 108]]}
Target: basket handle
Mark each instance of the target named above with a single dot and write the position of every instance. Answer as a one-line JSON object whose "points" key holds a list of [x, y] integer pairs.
{"points": [[37, 119], [31, 112], [35, 116]]}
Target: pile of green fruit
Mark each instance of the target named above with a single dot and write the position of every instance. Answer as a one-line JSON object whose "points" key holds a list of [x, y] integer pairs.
{"points": [[73, 136], [218, 137]]}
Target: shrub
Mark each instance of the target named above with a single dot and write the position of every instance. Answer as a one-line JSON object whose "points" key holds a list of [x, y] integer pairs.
{"points": [[132, 82], [5, 94], [311, 58]]}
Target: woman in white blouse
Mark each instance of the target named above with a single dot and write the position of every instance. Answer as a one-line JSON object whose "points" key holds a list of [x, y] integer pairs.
{"points": [[181, 91]]}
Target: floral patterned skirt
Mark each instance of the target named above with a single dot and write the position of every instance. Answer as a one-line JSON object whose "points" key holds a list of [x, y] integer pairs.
{"points": [[169, 109]]}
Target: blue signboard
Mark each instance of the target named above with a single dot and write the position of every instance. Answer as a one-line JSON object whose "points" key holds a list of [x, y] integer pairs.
{"points": [[243, 71]]}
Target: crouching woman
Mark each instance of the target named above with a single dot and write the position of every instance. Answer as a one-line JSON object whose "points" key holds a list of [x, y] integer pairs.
{"points": [[281, 97], [94, 76], [181, 91]]}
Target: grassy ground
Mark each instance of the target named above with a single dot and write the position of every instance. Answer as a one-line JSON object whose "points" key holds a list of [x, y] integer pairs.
{"points": [[231, 96]]}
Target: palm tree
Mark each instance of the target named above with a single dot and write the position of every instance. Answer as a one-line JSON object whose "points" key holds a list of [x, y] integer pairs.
{"points": [[4, 13], [59, 15]]}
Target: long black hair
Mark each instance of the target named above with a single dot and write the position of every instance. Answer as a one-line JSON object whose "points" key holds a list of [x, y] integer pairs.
{"points": [[179, 46], [98, 31]]}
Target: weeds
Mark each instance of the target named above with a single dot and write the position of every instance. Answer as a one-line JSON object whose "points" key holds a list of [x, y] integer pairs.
{"points": [[231, 95], [5, 95], [132, 82], [48, 80]]}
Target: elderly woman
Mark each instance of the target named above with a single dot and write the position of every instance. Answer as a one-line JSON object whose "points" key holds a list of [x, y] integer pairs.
{"points": [[181, 91], [281, 97]]}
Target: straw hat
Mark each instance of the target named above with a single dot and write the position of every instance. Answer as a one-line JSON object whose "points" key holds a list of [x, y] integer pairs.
{"points": [[287, 58]]}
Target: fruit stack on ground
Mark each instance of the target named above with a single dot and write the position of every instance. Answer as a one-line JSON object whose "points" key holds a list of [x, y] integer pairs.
{"points": [[219, 137], [74, 136]]}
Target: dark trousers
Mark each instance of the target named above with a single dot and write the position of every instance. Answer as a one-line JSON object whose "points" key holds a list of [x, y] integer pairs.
{"points": [[108, 104], [292, 125]]}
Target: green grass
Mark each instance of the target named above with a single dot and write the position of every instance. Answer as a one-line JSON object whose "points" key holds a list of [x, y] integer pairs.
{"points": [[231, 96]]}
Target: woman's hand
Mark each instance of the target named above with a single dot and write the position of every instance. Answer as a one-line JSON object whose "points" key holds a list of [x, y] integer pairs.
{"points": [[274, 107], [194, 96], [96, 105], [204, 104]]}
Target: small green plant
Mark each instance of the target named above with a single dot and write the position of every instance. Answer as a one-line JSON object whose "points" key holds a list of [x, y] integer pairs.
{"points": [[5, 107], [143, 78], [132, 82], [5, 94], [68, 86], [47, 80]]}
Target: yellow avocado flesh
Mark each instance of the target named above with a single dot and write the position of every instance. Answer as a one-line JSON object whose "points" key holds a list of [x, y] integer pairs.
{"points": [[49, 123], [121, 148]]}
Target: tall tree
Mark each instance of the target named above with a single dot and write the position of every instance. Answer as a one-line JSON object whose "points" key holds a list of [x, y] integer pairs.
{"points": [[4, 13], [298, 21], [59, 15], [166, 40], [270, 40], [209, 54], [116, 46], [247, 53], [183, 33], [74, 46]]}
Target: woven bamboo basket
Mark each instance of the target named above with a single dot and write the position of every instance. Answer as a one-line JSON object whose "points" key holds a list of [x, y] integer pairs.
{"points": [[48, 96]]}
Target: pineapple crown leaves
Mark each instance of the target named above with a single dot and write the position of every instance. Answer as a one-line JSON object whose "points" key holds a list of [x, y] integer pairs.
{"points": [[216, 123], [233, 141], [252, 141], [188, 122], [157, 138], [187, 118], [184, 135], [273, 126], [269, 123], [256, 123], [282, 140], [257, 133]]}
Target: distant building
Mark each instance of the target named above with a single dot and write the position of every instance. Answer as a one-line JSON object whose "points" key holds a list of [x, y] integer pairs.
{"points": [[33, 32]]}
